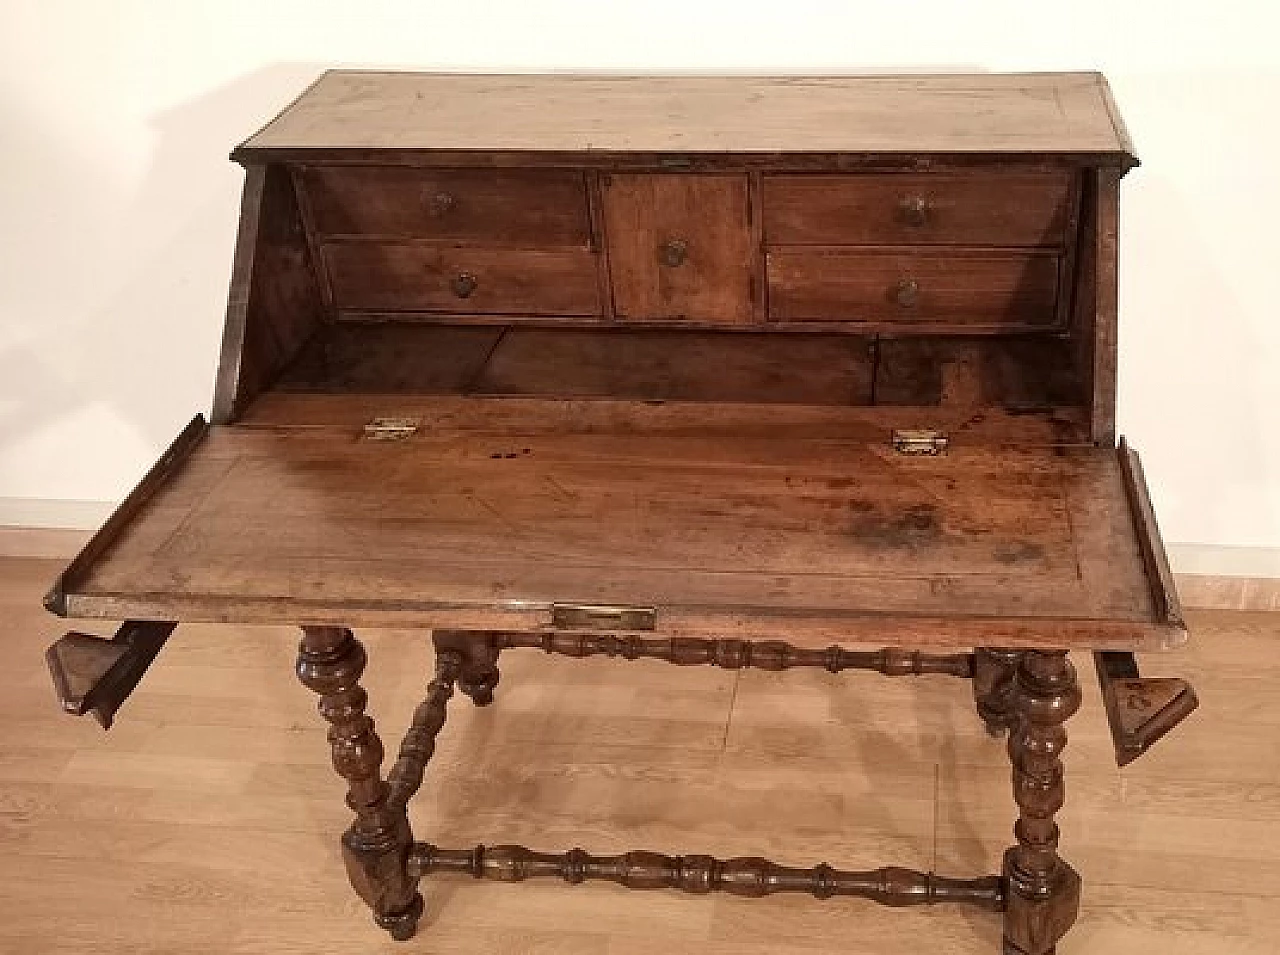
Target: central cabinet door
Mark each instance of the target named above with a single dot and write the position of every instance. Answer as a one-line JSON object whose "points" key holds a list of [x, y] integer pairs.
{"points": [[680, 247]]}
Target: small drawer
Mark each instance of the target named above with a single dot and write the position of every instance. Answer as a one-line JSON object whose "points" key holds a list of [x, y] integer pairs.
{"points": [[991, 209], [943, 287], [513, 208], [380, 276], [680, 247]]}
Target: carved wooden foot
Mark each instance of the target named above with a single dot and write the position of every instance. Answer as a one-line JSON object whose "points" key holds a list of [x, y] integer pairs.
{"points": [[993, 672], [479, 651], [376, 846], [1042, 891]]}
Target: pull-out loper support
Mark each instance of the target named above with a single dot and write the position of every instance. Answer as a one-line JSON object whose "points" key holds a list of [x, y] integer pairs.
{"points": [[96, 675], [1140, 709]]}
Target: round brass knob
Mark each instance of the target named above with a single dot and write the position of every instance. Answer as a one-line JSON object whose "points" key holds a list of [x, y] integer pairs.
{"points": [[463, 284], [907, 293], [673, 252], [914, 210], [441, 203]]}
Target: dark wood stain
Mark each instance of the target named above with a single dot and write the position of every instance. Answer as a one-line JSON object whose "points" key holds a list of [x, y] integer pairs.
{"points": [[916, 526]]}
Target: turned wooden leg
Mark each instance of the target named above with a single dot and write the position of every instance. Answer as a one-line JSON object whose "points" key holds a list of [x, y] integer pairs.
{"points": [[993, 672], [479, 652], [1043, 892], [376, 846]]}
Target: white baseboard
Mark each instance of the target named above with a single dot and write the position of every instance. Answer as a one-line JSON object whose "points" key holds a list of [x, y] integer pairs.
{"points": [[1218, 560], [53, 514]]}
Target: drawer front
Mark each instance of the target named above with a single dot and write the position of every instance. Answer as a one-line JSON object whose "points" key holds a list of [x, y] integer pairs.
{"points": [[913, 287], [992, 209], [514, 208], [680, 247], [413, 276]]}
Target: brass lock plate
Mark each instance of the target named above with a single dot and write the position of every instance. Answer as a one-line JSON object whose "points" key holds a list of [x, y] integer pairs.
{"points": [[598, 617]]}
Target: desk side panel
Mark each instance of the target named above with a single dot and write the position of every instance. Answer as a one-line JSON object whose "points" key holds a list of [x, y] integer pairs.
{"points": [[275, 302]]}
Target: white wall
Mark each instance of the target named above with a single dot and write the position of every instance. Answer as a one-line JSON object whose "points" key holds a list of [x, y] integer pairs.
{"points": [[118, 207]]}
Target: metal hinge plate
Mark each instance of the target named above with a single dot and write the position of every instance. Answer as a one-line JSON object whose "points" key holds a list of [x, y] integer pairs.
{"points": [[919, 441], [595, 617], [391, 429]]}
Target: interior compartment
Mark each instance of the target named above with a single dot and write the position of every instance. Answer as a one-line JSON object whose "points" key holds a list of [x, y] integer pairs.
{"points": [[1018, 375], [1001, 332]]}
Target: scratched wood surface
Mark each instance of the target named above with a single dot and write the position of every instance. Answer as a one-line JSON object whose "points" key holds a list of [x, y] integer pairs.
{"points": [[283, 524], [993, 112], [207, 820]]}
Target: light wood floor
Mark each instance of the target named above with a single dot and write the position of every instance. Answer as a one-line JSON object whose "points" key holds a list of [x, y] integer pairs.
{"points": [[206, 820]]}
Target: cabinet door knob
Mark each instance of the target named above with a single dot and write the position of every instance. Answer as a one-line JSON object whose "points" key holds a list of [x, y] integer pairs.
{"points": [[463, 284], [673, 252], [907, 293], [441, 203], [914, 210]]}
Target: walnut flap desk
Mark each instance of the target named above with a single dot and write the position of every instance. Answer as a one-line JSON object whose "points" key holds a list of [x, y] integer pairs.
{"points": [[676, 368]]}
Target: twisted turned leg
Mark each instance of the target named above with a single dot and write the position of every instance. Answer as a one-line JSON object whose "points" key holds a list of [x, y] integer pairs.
{"points": [[993, 672], [479, 652], [376, 846], [1042, 891]]}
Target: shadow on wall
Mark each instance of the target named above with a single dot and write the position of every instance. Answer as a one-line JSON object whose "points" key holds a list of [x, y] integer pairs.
{"points": [[132, 355], [1181, 306]]}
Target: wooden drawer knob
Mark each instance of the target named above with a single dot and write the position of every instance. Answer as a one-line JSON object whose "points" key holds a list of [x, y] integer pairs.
{"points": [[441, 203], [463, 284], [914, 210], [907, 293], [673, 252]]}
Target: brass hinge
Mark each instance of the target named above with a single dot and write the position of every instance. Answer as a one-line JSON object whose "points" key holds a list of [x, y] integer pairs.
{"points": [[595, 617], [919, 441], [391, 429]]}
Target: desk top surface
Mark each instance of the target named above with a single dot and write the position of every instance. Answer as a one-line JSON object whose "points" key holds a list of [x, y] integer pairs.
{"points": [[723, 532], [983, 113]]}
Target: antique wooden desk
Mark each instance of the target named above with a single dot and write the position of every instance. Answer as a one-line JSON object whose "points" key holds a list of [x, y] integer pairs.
{"points": [[673, 368]]}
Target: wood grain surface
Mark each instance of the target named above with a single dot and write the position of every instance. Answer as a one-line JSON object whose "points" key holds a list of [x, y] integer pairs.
{"points": [[706, 219], [989, 112], [275, 301], [520, 208], [992, 209], [206, 821], [922, 286], [597, 415], [772, 534], [407, 275], [1029, 375]]}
